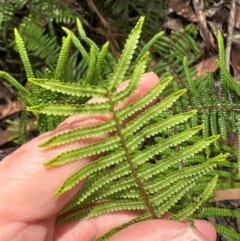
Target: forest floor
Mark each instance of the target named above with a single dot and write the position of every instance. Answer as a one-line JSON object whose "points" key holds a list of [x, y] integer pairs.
{"points": [[179, 12]]}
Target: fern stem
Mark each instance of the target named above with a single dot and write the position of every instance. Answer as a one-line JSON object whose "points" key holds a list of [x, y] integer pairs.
{"points": [[129, 160]]}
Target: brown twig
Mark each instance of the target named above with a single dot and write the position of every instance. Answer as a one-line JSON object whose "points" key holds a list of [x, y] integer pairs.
{"points": [[95, 9], [105, 31], [203, 25], [230, 33]]}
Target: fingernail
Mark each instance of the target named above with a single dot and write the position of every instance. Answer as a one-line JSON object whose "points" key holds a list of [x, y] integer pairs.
{"points": [[190, 234]]}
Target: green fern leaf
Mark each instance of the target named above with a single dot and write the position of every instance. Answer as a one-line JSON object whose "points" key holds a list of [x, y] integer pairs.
{"points": [[133, 82], [163, 208], [70, 109], [101, 59], [92, 65], [78, 45], [185, 213], [23, 54], [114, 159], [79, 133], [90, 150], [140, 218], [230, 232], [104, 208], [39, 42], [72, 89], [221, 49], [218, 211], [127, 53], [62, 57], [149, 44], [231, 82], [94, 148], [83, 35], [22, 91]]}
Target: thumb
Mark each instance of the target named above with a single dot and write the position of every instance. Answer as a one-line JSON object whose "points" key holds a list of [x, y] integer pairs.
{"points": [[27, 187], [165, 230]]}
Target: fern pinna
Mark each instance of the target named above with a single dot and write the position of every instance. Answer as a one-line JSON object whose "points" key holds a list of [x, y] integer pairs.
{"points": [[217, 104], [126, 176]]}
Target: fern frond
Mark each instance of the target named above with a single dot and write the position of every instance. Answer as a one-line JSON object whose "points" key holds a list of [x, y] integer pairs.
{"points": [[92, 149], [39, 42], [191, 86], [7, 11], [86, 132], [110, 126], [104, 208], [223, 81], [129, 173], [162, 181], [162, 209]]}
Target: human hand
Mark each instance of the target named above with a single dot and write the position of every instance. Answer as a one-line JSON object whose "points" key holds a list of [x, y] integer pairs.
{"points": [[28, 209]]}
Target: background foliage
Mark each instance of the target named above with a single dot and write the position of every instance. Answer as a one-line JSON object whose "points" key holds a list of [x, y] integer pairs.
{"points": [[173, 53], [39, 23]]}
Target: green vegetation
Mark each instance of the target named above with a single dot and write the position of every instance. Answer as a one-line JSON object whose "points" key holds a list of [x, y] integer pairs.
{"points": [[189, 155]]}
